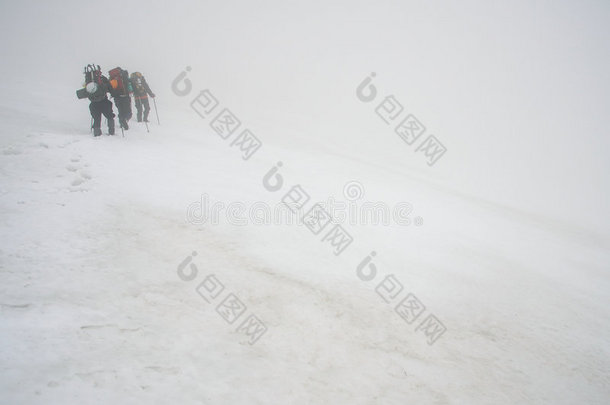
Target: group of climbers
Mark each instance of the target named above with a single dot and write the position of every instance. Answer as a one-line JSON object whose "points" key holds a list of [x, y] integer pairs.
{"points": [[121, 87]]}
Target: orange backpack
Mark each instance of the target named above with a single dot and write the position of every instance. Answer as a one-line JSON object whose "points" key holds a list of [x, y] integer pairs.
{"points": [[119, 80]]}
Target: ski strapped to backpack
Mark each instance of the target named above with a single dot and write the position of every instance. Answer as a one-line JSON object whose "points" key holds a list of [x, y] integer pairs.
{"points": [[93, 74], [93, 81]]}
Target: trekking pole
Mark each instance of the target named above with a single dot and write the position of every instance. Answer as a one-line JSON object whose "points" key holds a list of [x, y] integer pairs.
{"points": [[157, 113]]}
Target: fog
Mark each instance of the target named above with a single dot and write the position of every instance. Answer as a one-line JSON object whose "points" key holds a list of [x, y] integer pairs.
{"points": [[516, 91]]}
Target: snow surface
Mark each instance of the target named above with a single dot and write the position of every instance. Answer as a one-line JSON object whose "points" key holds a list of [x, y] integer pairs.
{"points": [[512, 257]]}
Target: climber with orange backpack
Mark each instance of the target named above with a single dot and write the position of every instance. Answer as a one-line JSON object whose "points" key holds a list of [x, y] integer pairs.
{"points": [[120, 87]]}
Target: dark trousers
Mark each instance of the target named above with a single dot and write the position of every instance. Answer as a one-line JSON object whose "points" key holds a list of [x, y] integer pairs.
{"points": [[142, 102], [98, 108], [123, 105]]}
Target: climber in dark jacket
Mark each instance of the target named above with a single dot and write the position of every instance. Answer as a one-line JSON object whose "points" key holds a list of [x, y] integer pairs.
{"points": [[141, 91], [96, 88]]}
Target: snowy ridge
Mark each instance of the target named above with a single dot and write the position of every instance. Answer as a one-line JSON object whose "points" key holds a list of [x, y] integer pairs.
{"points": [[94, 230]]}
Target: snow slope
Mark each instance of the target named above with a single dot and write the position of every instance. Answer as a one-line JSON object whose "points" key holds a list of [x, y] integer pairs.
{"points": [[94, 231]]}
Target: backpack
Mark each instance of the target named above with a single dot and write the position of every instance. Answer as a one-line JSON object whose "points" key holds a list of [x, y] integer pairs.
{"points": [[119, 80], [93, 74], [137, 80], [93, 80]]}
